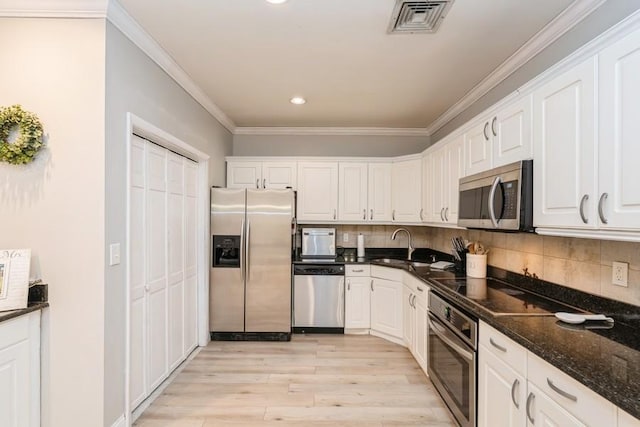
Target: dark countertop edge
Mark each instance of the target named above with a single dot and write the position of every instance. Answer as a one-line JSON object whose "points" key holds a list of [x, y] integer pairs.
{"points": [[554, 356], [12, 314]]}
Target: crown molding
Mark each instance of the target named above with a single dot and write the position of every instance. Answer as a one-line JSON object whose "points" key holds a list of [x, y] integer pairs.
{"points": [[565, 21], [362, 131], [132, 30], [53, 9]]}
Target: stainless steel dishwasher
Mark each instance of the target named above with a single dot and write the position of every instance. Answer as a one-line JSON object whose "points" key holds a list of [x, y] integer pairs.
{"points": [[318, 298]]}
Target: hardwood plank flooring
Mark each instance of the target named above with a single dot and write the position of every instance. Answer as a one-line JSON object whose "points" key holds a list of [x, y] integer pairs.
{"points": [[314, 380]]}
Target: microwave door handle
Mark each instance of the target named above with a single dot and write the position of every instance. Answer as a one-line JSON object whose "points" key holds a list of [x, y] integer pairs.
{"points": [[449, 339], [492, 196]]}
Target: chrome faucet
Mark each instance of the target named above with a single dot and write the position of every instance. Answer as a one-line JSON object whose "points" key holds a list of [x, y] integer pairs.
{"points": [[410, 248]]}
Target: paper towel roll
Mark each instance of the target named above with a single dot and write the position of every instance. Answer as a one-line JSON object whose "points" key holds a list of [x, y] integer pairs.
{"points": [[360, 246]]}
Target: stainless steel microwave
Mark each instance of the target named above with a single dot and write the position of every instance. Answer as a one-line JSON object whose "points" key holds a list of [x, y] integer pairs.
{"points": [[498, 199]]}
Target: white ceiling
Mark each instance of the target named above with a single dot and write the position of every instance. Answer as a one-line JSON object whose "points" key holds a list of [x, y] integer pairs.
{"points": [[250, 57]]}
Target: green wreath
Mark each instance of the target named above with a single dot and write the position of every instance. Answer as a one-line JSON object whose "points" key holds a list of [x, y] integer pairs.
{"points": [[29, 141]]}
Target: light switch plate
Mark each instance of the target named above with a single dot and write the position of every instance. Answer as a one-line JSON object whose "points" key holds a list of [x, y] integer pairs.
{"points": [[620, 274], [345, 237], [114, 254]]}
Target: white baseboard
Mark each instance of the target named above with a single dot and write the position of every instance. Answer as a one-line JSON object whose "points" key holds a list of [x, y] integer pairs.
{"points": [[120, 422]]}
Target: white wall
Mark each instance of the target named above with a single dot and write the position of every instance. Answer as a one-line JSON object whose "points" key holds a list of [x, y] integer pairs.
{"points": [[328, 145], [136, 84], [55, 206]]}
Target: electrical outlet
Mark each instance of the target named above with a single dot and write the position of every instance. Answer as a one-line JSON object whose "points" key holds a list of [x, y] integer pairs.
{"points": [[345, 237], [620, 274]]}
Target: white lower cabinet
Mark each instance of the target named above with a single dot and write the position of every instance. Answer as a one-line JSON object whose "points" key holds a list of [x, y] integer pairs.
{"points": [[357, 307], [421, 331], [20, 371], [386, 307], [542, 410], [408, 316]]}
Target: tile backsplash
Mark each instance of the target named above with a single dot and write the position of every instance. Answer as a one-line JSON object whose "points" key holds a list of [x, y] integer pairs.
{"points": [[583, 264]]}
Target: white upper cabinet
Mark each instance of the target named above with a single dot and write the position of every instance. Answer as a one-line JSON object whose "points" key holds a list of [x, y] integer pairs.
{"points": [[618, 195], [446, 167], [256, 174], [427, 184], [352, 191], [564, 153], [406, 189], [379, 200], [511, 132], [478, 140], [317, 191]]}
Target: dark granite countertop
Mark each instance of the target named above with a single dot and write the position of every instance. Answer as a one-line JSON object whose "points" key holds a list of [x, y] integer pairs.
{"points": [[605, 360], [7, 315]]}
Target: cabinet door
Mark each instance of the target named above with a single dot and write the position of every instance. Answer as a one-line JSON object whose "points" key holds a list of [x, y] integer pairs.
{"points": [[564, 169], [454, 170], [278, 175], [543, 411], [427, 188], [406, 181], [317, 191], [379, 200], [386, 307], [619, 147], [14, 374], [244, 174], [438, 180], [511, 130], [501, 392], [357, 309], [420, 334], [408, 317], [478, 148], [352, 191]]}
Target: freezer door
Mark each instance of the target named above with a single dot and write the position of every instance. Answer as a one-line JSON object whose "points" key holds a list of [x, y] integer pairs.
{"points": [[268, 257], [226, 287]]}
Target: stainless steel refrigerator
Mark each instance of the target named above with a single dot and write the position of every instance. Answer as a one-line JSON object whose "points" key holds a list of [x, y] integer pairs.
{"points": [[250, 280]]}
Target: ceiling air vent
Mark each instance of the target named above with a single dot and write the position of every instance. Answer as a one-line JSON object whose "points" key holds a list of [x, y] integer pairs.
{"points": [[418, 16]]}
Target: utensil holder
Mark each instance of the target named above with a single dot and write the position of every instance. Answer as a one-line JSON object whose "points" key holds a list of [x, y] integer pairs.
{"points": [[477, 265]]}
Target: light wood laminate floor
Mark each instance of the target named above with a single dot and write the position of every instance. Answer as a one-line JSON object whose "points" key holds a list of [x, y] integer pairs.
{"points": [[314, 380]]}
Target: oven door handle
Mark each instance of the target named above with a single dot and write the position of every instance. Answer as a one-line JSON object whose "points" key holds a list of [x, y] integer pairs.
{"points": [[492, 196], [449, 338]]}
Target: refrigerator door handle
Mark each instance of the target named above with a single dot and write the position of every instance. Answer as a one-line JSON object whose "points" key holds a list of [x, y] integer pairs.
{"points": [[248, 251], [242, 251]]}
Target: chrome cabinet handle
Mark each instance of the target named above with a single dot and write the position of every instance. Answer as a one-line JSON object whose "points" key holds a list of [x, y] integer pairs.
{"points": [[393, 215], [419, 289], [258, 183], [530, 399], [515, 384], [492, 197], [582, 202], [410, 296], [441, 217], [421, 211], [348, 285], [358, 271], [371, 216], [371, 285], [499, 347], [414, 300], [334, 213], [446, 214], [561, 392], [364, 214], [264, 183], [484, 131], [603, 199], [493, 126]]}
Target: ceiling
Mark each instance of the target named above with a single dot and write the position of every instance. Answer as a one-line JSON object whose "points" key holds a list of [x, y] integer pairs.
{"points": [[250, 57]]}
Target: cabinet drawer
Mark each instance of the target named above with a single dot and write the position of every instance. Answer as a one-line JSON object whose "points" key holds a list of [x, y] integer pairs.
{"points": [[589, 407], [14, 331], [388, 273], [507, 350], [357, 270]]}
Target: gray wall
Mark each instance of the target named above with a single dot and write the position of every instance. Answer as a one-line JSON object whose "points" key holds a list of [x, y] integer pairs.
{"points": [[607, 15], [136, 84], [327, 145]]}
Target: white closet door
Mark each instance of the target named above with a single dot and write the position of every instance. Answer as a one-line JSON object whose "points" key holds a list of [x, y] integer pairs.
{"points": [[190, 255], [175, 263], [156, 241], [137, 278]]}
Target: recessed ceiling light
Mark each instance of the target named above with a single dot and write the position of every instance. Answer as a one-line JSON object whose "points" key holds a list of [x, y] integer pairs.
{"points": [[276, 1], [298, 100]]}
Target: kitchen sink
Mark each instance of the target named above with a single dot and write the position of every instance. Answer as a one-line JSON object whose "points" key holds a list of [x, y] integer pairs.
{"points": [[393, 261]]}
